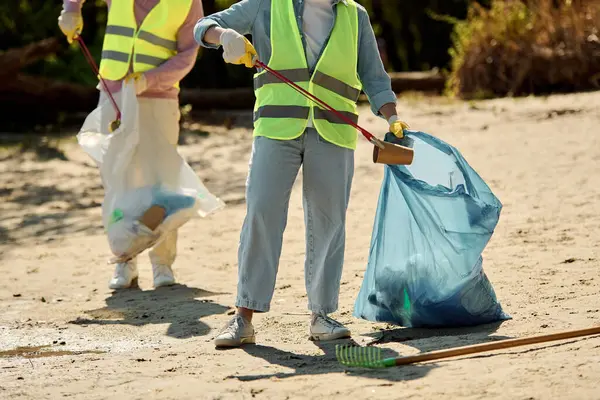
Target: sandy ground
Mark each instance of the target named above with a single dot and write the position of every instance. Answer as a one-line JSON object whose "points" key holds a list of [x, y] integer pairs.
{"points": [[64, 334]]}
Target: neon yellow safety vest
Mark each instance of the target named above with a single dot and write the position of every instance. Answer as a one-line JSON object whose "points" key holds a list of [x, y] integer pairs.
{"points": [[151, 45], [282, 113]]}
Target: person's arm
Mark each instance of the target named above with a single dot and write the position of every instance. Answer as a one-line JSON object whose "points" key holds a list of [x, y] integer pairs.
{"points": [[388, 110], [376, 82], [213, 35], [240, 17], [72, 5], [70, 20], [177, 67]]}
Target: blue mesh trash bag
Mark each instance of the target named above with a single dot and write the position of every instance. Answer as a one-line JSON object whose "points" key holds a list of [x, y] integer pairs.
{"points": [[433, 221]]}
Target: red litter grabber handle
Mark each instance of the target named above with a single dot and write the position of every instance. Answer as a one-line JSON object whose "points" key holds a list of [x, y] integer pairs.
{"points": [[368, 135], [383, 152], [117, 122]]}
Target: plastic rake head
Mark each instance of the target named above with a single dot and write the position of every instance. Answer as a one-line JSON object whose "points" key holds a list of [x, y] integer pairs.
{"points": [[366, 357]]}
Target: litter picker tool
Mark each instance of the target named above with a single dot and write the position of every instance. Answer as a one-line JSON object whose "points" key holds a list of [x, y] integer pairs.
{"points": [[371, 357], [154, 215], [383, 152], [117, 122]]}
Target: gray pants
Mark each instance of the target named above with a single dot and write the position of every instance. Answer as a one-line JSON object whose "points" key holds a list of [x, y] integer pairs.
{"points": [[327, 178]]}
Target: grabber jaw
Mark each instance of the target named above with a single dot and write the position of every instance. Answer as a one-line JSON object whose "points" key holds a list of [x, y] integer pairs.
{"points": [[114, 125], [376, 142]]}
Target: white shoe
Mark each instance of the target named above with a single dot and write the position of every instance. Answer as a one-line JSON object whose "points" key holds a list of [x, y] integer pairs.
{"points": [[324, 328], [163, 275], [236, 333], [126, 276]]}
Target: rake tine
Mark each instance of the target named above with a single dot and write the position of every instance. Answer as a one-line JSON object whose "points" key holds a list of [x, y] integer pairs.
{"points": [[376, 357], [361, 356], [353, 356], [339, 353], [346, 355]]}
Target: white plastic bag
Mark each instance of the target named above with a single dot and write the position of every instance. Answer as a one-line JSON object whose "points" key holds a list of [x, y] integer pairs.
{"points": [[137, 174]]}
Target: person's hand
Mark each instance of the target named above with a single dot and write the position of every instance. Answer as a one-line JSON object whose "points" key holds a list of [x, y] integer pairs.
{"points": [[139, 80], [71, 24], [237, 49], [397, 127]]}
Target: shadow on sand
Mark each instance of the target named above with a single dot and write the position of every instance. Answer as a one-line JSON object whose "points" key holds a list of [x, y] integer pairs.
{"points": [[421, 339], [181, 306]]}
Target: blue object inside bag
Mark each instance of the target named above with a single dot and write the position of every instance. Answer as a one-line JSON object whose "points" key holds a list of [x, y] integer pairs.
{"points": [[434, 219], [172, 202]]}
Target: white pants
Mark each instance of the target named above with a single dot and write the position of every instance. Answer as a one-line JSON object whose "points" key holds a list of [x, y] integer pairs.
{"points": [[162, 116]]}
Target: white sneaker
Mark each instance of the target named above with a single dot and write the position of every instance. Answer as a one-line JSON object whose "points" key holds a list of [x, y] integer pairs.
{"points": [[126, 276], [236, 333], [324, 328], [163, 275]]}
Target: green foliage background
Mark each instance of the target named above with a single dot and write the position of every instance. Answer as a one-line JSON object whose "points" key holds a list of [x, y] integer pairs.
{"points": [[482, 42], [415, 39]]}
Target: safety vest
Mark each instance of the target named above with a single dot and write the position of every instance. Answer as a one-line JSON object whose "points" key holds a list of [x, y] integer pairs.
{"points": [[151, 45], [282, 113]]}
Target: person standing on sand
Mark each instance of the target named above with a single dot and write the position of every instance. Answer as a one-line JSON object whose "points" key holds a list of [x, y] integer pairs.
{"points": [[151, 43], [329, 48]]}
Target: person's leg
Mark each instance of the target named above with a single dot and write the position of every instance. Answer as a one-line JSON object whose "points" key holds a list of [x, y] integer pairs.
{"points": [[125, 274], [162, 257], [162, 116], [274, 166], [327, 175]]}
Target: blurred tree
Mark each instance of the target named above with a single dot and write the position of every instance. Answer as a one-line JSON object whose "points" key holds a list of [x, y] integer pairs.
{"points": [[416, 34], [410, 38]]}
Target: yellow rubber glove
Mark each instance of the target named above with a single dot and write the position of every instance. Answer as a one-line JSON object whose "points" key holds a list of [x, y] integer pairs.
{"points": [[133, 76], [237, 49], [71, 24], [248, 58], [139, 80], [397, 127]]}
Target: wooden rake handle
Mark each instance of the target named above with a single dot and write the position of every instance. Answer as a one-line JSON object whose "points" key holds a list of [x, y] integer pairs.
{"points": [[500, 344]]}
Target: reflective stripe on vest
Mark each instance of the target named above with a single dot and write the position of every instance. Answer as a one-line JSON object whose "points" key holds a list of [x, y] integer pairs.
{"points": [[336, 86], [282, 113], [319, 78], [295, 75], [145, 48], [144, 35], [301, 112], [139, 58]]}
